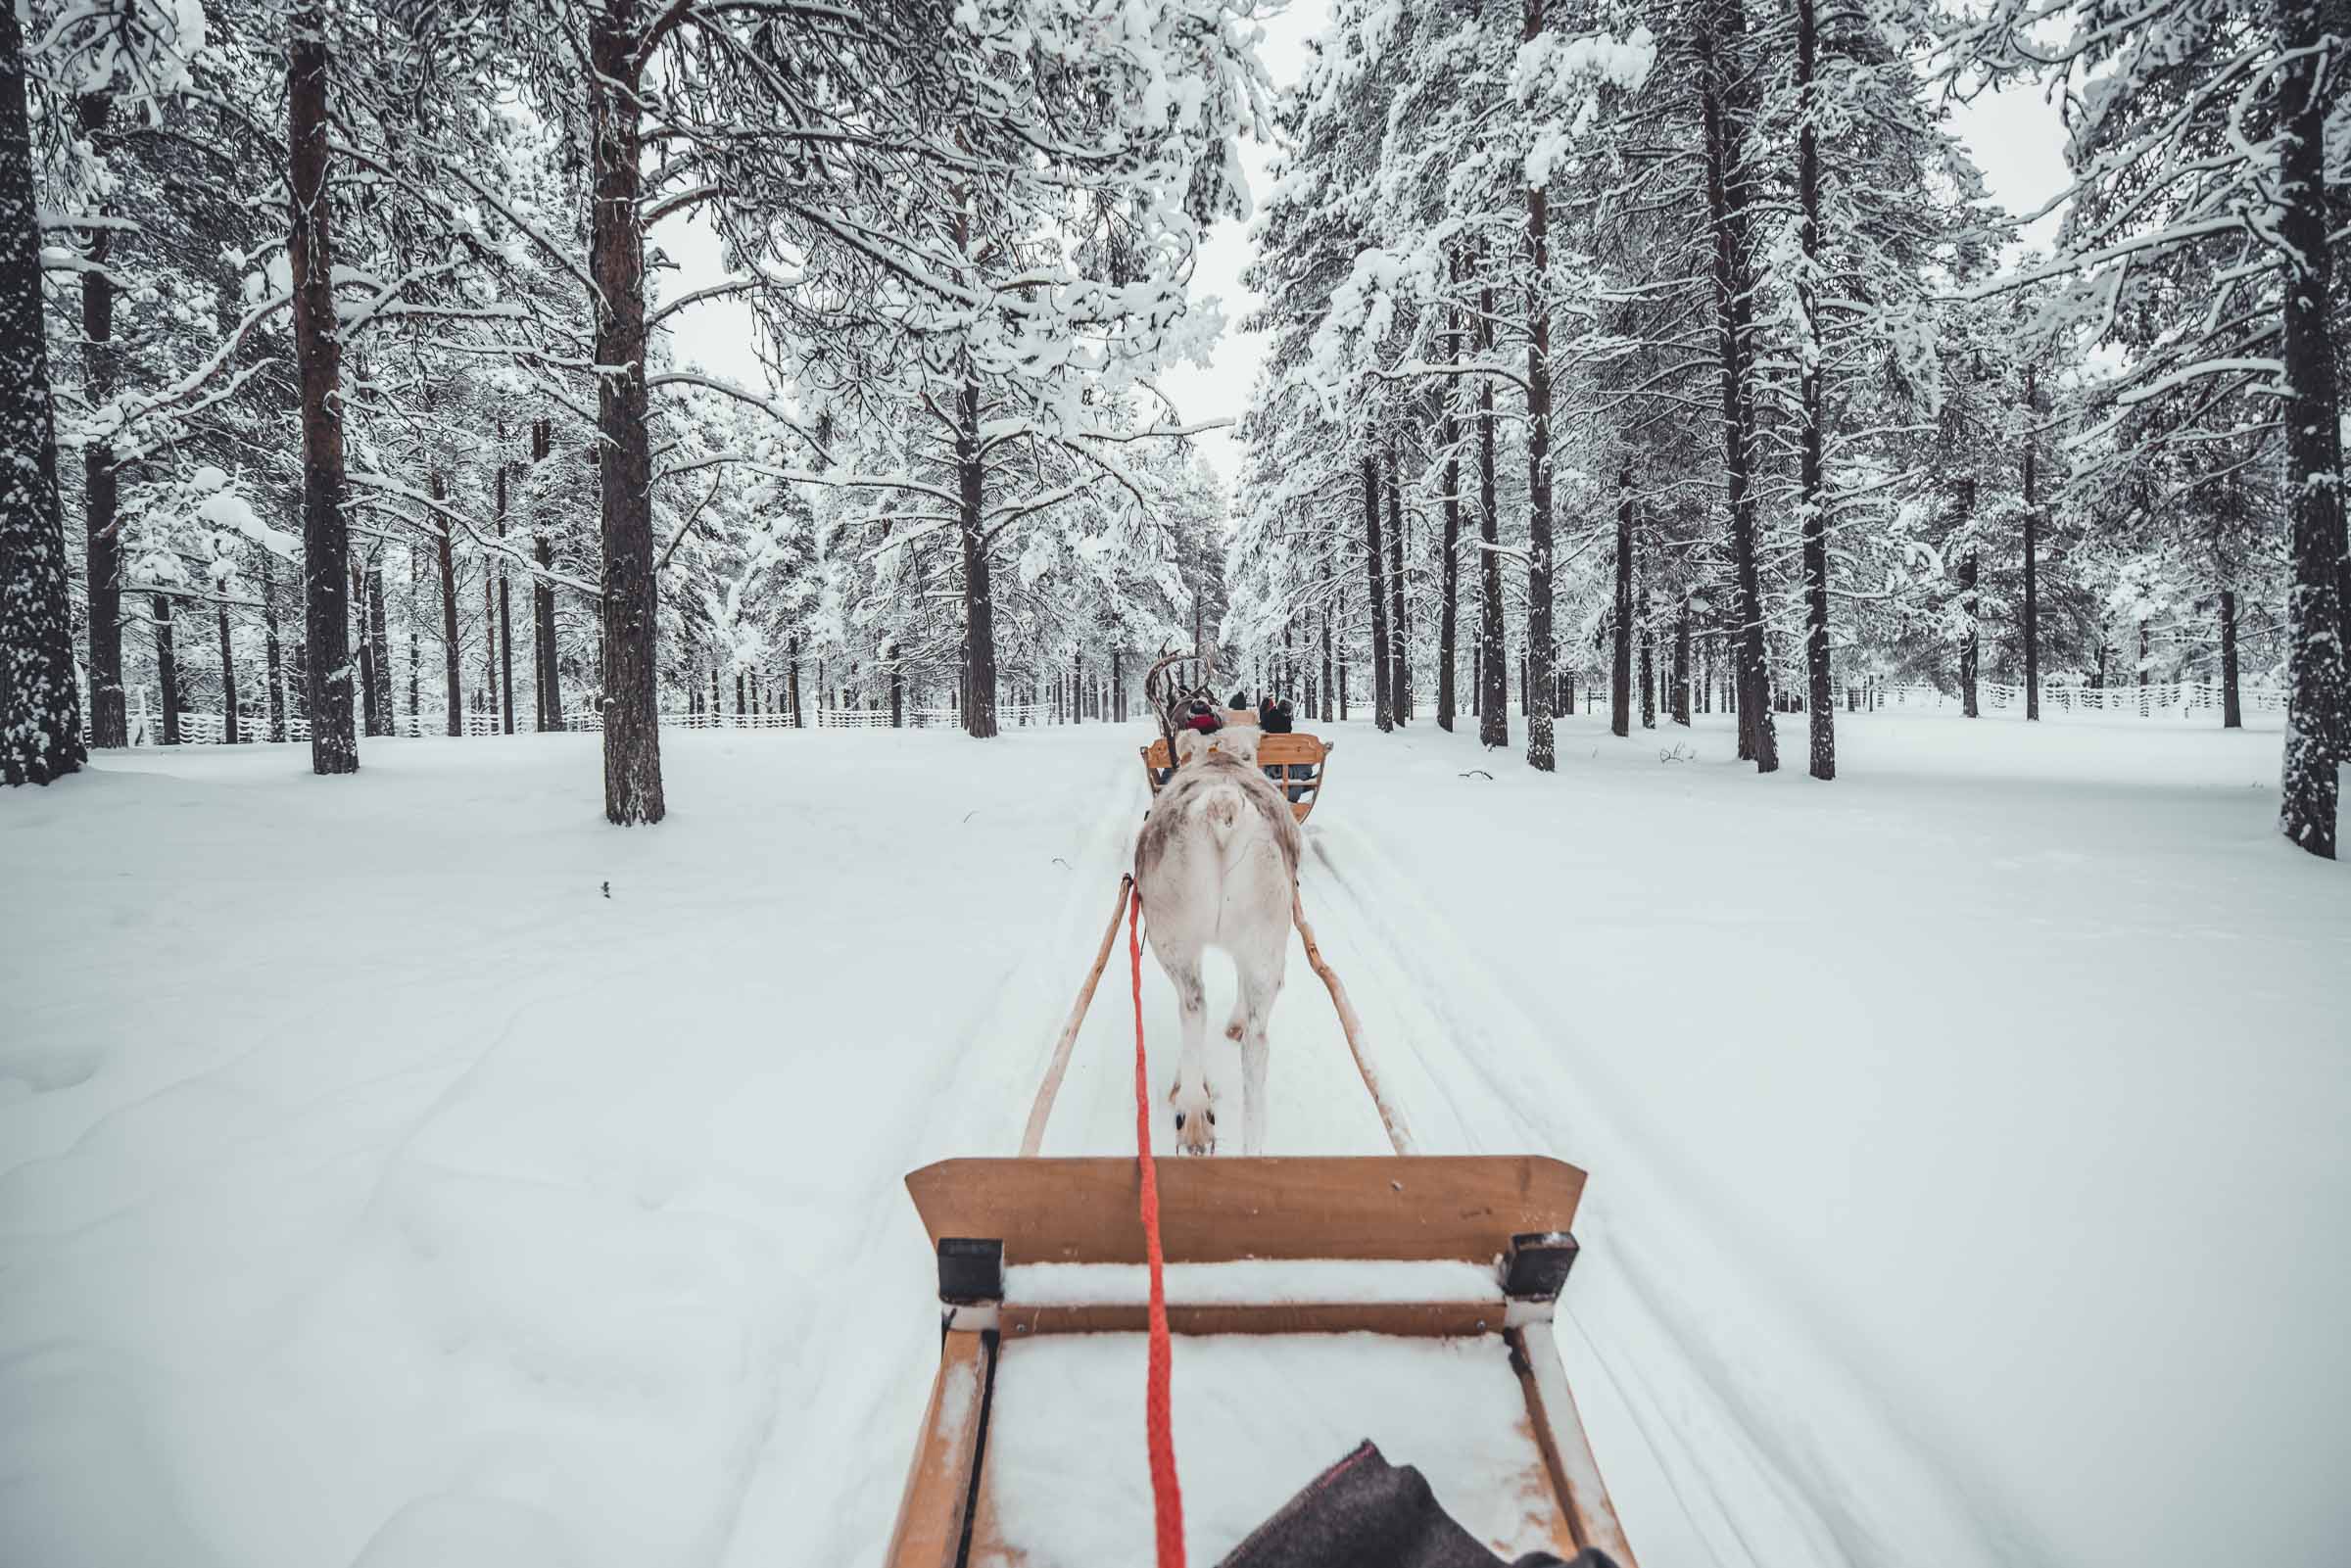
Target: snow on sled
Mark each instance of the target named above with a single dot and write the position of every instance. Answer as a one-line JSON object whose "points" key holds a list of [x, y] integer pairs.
{"points": [[1295, 764], [1316, 1302]]}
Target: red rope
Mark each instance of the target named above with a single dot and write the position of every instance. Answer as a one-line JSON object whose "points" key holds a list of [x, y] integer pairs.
{"points": [[1167, 1497]]}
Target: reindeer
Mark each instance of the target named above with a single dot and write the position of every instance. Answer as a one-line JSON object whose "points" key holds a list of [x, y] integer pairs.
{"points": [[1216, 866]]}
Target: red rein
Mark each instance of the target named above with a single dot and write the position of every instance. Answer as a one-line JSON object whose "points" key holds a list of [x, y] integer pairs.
{"points": [[1167, 1497]]}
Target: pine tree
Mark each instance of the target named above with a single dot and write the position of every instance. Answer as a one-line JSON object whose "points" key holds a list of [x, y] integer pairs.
{"points": [[41, 701]]}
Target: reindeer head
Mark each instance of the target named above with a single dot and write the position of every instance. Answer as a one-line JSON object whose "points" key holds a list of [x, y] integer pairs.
{"points": [[1168, 695]]}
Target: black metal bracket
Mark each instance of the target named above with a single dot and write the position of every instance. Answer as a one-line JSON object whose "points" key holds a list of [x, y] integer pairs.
{"points": [[971, 1270], [1537, 1265]]}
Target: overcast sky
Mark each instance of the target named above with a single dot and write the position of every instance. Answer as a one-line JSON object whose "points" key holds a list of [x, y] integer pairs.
{"points": [[2016, 140]]}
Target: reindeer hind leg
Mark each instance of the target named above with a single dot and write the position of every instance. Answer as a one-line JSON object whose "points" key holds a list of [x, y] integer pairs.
{"points": [[1260, 985]]}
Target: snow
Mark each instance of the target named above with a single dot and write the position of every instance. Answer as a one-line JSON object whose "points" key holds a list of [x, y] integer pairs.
{"points": [[1256, 1279], [375, 1189], [1255, 1419]]}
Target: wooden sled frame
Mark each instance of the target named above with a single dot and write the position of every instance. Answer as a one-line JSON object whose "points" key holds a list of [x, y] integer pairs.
{"points": [[1511, 1212], [1283, 751]]}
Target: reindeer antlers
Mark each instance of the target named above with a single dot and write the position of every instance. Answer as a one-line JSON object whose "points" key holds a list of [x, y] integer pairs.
{"points": [[1165, 698]]}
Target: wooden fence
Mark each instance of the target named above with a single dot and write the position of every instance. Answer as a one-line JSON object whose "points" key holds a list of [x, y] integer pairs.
{"points": [[2196, 701], [2157, 699], [208, 729]]}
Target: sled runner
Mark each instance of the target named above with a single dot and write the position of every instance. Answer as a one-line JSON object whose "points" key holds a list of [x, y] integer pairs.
{"points": [[1294, 763], [1455, 1259]]}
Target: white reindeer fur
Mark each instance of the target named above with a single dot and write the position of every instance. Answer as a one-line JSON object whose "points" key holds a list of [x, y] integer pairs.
{"points": [[1216, 866]]}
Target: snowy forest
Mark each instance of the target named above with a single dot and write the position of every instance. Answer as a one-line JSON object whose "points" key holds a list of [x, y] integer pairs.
{"points": [[346, 473], [1674, 352], [1683, 348], [1721, 623]]}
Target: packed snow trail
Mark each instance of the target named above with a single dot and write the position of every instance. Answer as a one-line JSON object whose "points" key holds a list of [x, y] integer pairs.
{"points": [[1816, 1177], [529, 1189], [526, 1192], [1319, 1105], [1742, 1413]]}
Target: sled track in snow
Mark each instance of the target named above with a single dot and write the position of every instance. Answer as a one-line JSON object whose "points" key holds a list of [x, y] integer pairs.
{"points": [[1467, 1055]]}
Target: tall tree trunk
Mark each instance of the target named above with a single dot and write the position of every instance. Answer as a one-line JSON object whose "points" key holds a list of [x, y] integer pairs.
{"points": [[549, 656], [1732, 655], [232, 731], [545, 663], [1681, 661], [1327, 666], [1621, 665], [453, 700], [41, 701], [2232, 715], [110, 723], [793, 654], [1813, 500], [1400, 664], [416, 642], [379, 639], [2032, 559], [318, 354], [1648, 668], [1494, 682], [273, 660], [979, 608], [1723, 100], [1383, 698], [506, 598], [489, 645], [371, 721], [167, 667], [2317, 724], [1449, 563], [1539, 752], [1971, 648], [624, 451]]}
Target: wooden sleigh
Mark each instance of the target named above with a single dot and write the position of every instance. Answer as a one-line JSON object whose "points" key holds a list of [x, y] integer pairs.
{"points": [[1294, 764], [1503, 1219], [1454, 1262]]}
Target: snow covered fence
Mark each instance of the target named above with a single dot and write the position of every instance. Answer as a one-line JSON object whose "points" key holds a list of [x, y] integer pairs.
{"points": [[2164, 700], [1009, 716], [205, 729]]}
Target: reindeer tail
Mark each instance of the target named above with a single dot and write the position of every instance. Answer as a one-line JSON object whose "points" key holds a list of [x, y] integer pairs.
{"points": [[1222, 808]]}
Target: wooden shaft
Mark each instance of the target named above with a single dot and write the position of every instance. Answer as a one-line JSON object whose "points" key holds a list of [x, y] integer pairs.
{"points": [[1400, 1137], [938, 1484], [1567, 1452], [1034, 1137]]}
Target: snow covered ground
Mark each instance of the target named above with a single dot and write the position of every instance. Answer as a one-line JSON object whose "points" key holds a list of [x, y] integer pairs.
{"points": [[412, 1171]]}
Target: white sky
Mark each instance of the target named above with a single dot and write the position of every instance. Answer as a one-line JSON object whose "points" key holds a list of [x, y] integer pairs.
{"points": [[2015, 137]]}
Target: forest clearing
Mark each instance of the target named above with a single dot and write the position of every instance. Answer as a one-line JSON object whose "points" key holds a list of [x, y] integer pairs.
{"points": [[548, 1234], [1697, 647]]}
